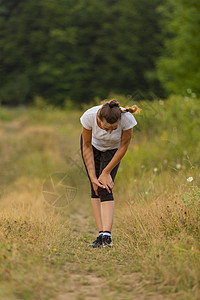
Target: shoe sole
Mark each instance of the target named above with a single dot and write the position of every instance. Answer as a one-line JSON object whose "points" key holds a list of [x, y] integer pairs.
{"points": [[108, 245]]}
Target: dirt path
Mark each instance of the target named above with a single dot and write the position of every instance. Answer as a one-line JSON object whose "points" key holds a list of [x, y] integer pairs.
{"points": [[81, 286], [88, 285]]}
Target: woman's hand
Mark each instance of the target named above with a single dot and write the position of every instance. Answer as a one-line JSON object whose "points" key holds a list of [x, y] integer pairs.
{"points": [[95, 184], [106, 179]]}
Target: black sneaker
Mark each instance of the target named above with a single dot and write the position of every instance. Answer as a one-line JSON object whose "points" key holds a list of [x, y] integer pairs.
{"points": [[107, 241], [97, 242]]}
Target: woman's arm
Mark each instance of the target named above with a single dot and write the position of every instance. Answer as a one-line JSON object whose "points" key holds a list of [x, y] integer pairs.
{"points": [[125, 141], [88, 152], [105, 177], [89, 158]]}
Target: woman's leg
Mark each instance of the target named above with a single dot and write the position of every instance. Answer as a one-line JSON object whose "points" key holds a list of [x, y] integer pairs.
{"points": [[95, 200], [107, 199], [107, 213], [96, 207]]}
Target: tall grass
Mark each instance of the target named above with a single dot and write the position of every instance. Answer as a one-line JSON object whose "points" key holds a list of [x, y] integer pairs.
{"points": [[43, 248]]}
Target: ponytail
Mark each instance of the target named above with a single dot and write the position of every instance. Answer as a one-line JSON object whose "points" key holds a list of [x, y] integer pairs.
{"points": [[134, 109]]}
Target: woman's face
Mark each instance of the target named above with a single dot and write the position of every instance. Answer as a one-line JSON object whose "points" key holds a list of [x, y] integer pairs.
{"points": [[107, 126]]}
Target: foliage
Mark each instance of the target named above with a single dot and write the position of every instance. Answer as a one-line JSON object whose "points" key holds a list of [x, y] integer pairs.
{"points": [[77, 49], [178, 66], [192, 198], [172, 133]]}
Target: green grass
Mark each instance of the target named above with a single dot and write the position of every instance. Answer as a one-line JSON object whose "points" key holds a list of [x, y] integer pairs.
{"points": [[43, 249]]}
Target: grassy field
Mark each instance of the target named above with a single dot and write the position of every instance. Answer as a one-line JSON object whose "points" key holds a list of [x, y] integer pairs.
{"points": [[43, 244]]}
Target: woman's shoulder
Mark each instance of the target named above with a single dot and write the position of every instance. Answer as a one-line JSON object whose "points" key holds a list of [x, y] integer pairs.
{"points": [[127, 120]]}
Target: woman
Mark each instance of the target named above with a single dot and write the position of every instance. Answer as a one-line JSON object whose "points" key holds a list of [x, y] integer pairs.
{"points": [[105, 137]]}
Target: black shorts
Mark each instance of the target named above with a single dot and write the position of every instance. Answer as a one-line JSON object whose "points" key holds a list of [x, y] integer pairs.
{"points": [[101, 160]]}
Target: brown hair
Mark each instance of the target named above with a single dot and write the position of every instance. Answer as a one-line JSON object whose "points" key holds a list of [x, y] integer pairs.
{"points": [[111, 111]]}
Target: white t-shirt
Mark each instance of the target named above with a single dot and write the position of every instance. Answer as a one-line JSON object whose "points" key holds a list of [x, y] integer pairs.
{"points": [[101, 139]]}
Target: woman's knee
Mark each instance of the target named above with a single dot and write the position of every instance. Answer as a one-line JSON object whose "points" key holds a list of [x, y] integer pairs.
{"points": [[104, 195]]}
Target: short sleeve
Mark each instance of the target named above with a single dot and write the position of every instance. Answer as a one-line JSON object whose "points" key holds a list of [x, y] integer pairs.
{"points": [[85, 120], [128, 121]]}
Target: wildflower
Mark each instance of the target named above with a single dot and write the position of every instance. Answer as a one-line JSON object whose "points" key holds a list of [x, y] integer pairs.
{"points": [[155, 170], [189, 91], [146, 193], [190, 179], [178, 166], [185, 152], [192, 248]]}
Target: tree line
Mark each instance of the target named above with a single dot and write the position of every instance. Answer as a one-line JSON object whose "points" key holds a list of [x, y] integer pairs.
{"points": [[80, 49]]}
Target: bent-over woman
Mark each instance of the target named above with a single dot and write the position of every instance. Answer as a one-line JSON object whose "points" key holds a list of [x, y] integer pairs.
{"points": [[106, 134]]}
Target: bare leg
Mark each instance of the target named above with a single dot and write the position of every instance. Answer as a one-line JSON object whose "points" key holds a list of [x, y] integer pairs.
{"points": [[107, 213], [97, 212]]}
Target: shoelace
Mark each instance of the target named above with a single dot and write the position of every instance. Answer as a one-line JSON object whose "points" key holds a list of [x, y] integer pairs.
{"points": [[98, 239], [107, 238]]}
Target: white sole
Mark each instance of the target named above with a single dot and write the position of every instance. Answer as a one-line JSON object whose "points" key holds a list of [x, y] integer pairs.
{"points": [[108, 245]]}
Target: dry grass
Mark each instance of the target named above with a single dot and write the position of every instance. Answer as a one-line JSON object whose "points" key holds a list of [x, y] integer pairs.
{"points": [[43, 249]]}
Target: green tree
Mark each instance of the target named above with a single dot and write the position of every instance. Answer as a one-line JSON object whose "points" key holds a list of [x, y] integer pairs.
{"points": [[179, 65], [131, 42], [77, 49]]}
